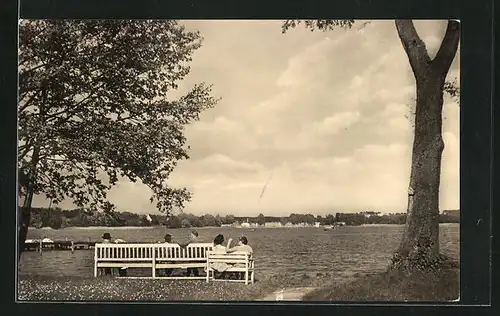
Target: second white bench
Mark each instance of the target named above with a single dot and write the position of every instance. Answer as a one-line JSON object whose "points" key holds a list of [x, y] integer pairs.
{"points": [[234, 262]]}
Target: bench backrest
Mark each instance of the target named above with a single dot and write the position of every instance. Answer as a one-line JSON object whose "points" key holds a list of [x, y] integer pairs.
{"points": [[197, 251], [234, 257], [129, 251]]}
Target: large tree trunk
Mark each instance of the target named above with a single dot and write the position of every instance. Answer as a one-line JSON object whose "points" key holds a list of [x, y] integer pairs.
{"points": [[24, 221], [28, 179], [419, 248], [28, 182]]}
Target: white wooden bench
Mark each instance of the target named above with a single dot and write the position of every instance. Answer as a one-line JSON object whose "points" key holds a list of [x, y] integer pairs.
{"points": [[237, 262], [153, 256]]}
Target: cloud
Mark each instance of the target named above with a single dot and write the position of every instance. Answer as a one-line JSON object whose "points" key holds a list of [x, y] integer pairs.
{"points": [[329, 114], [219, 163], [335, 123]]}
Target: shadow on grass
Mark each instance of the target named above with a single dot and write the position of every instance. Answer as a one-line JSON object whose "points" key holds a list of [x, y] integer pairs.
{"points": [[394, 286]]}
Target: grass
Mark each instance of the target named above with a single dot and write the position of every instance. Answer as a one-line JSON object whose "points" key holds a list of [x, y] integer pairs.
{"points": [[386, 286], [43, 288], [394, 286]]}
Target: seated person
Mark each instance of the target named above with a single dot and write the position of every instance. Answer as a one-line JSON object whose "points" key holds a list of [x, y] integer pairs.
{"points": [[241, 247], [219, 267], [218, 247], [106, 239], [193, 238], [168, 240]]}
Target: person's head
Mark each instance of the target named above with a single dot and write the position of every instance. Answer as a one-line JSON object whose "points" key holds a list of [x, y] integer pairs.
{"points": [[106, 236], [219, 239], [243, 240], [168, 238], [194, 234]]}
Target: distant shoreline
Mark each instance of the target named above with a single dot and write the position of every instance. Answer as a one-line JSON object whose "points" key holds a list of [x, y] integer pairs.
{"points": [[98, 227], [205, 227]]}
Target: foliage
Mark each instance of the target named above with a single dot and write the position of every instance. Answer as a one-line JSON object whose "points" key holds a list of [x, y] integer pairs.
{"points": [[324, 25], [453, 89], [261, 220], [95, 104], [174, 222], [57, 218]]}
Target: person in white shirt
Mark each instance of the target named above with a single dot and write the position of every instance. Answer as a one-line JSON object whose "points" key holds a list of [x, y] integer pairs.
{"points": [[219, 267], [241, 247], [218, 247]]}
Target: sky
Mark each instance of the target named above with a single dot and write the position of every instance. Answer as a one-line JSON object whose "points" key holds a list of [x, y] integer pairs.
{"points": [[323, 117]]}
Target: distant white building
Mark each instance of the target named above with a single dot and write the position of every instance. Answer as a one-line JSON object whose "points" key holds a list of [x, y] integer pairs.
{"points": [[368, 214], [273, 224], [245, 224], [317, 224], [149, 218]]}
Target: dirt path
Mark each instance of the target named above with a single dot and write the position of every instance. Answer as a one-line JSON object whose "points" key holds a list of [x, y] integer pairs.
{"points": [[290, 294]]}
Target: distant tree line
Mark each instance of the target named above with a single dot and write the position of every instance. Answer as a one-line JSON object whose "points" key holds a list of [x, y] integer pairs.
{"points": [[57, 218]]}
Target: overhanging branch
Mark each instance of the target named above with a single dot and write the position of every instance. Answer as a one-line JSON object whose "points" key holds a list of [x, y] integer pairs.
{"points": [[448, 48]]}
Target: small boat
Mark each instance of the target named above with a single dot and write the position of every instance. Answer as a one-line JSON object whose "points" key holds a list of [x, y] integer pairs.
{"points": [[47, 240], [327, 228], [252, 230]]}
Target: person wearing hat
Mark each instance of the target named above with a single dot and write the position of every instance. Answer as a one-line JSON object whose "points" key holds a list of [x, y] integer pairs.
{"points": [[106, 239]]}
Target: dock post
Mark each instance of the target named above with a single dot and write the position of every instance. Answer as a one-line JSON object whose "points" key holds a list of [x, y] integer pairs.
{"points": [[72, 246], [41, 246]]}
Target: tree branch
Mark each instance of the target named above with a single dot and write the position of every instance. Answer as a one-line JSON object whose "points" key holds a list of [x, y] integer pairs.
{"points": [[448, 48], [27, 103], [71, 111], [413, 46]]}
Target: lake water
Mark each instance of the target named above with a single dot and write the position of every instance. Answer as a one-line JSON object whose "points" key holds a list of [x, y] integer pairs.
{"points": [[342, 252]]}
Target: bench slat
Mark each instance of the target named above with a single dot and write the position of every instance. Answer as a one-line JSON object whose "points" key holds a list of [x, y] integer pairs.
{"points": [[180, 265], [124, 264], [227, 261]]}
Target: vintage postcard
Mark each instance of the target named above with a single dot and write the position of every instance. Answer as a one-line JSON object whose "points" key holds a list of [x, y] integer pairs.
{"points": [[238, 160]]}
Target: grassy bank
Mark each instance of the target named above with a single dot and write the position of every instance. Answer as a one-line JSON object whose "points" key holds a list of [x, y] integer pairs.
{"points": [[122, 289], [393, 286], [387, 286]]}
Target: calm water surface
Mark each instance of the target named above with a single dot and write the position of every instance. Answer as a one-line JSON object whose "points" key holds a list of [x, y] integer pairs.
{"points": [[342, 252]]}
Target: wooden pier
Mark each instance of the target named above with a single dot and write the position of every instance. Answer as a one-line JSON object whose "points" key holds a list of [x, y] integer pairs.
{"points": [[58, 245]]}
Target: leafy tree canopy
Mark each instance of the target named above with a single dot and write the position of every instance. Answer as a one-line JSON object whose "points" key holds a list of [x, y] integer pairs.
{"points": [[95, 104]]}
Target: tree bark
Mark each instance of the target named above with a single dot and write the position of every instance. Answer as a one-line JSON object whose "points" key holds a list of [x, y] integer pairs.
{"points": [[28, 180], [419, 247], [25, 211]]}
